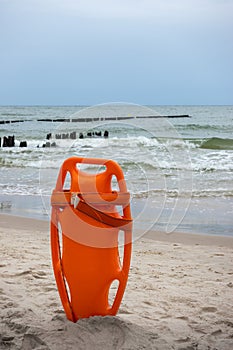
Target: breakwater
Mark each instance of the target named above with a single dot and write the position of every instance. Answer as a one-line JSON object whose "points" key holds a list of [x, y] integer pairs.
{"points": [[9, 141], [90, 119]]}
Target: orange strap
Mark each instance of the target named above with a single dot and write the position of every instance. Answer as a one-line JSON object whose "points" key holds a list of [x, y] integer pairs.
{"points": [[101, 216]]}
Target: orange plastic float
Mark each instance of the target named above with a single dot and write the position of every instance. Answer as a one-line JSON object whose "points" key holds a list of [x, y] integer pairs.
{"points": [[86, 222]]}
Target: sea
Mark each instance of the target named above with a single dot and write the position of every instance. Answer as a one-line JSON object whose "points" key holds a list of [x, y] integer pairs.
{"points": [[177, 160]]}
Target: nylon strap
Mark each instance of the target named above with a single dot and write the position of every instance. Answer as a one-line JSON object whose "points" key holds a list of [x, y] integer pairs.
{"points": [[100, 216]]}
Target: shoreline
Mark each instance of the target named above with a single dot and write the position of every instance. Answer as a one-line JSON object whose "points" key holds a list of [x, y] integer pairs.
{"points": [[204, 216], [26, 223]]}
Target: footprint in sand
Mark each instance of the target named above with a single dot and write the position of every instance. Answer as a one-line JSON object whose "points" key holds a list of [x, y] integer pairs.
{"points": [[6, 341], [209, 309], [125, 312], [107, 328], [114, 333], [31, 341]]}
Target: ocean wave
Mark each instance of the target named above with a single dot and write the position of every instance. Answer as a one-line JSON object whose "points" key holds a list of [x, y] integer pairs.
{"points": [[217, 143], [23, 189], [20, 189], [175, 193], [193, 126], [114, 140], [220, 192]]}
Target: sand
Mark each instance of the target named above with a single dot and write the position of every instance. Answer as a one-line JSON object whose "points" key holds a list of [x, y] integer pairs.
{"points": [[179, 295]]}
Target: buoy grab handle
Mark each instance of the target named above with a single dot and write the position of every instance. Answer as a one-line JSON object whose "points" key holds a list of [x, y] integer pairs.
{"points": [[63, 198], [70, 165]]}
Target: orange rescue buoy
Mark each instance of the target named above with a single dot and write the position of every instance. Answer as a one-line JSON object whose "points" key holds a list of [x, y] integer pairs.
{"points": [[86, 221]]}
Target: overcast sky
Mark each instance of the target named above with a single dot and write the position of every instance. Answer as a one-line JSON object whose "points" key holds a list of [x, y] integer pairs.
{"points": [[55, 52]]}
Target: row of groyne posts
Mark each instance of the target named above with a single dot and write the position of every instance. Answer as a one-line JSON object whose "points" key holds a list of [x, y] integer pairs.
{"points": [[73, 136], [9, 141]]}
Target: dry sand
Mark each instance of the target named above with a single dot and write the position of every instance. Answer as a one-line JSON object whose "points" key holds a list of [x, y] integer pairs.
{"points": [[179, 295]]}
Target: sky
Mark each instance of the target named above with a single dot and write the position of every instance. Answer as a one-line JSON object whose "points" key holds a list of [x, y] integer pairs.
{"points": [[87, 52]]}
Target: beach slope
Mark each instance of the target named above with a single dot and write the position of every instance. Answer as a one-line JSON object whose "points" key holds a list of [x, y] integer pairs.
{"points": [[179, 295]]}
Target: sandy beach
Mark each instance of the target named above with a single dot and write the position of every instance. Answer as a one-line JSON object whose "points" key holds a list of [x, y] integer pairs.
{"points": [[179, 295]]}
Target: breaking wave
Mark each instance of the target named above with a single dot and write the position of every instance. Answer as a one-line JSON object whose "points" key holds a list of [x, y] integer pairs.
{"points": [[217, 143]]}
